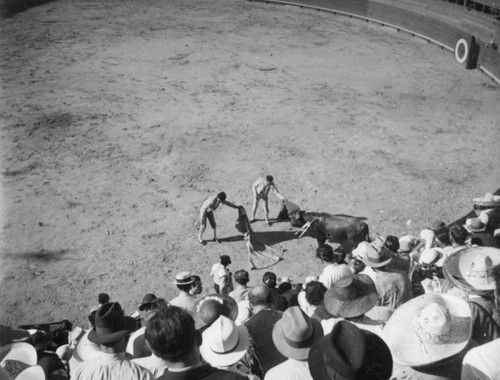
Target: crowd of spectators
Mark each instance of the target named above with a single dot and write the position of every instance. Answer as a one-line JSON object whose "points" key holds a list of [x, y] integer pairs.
{"points": [[408, 307]]}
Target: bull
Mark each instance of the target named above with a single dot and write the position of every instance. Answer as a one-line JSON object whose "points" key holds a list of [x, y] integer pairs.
{"points": [[345, 230]]}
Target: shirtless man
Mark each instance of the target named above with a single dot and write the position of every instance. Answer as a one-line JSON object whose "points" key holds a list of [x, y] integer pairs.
{"points": [[260, 190], [207, 212]]}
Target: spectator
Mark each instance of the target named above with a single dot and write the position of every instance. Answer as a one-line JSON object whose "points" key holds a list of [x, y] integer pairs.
{"points": [[458, 237], [102, 298], [293, 336], [136, 345], [312, 297], [184, 282], [477, 230], [197, 288], [260, 327], [172, 336], [111, 331], [242, 278], [270, 280], [211, 307], [427, 275], [350, 353], [335, 268], [223, 278]]}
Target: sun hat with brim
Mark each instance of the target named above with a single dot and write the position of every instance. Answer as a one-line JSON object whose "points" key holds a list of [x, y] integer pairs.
{"points": [[19, 351], [473, 267], [432, 256], [474, 225], [351, 297], [210, 307], [224, 343], [361, 251], [428, 329], [147, 300], [10, 335], [407, 243], [489, 200], [183, 278], [350, 353], [111, 324], [294, 334], [377, 256]]}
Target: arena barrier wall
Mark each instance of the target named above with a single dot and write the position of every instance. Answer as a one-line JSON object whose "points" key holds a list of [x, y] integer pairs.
{"points": [[471, 36]]}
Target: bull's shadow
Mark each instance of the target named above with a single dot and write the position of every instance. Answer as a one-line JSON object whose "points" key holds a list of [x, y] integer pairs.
{"points": [[266, 237]]}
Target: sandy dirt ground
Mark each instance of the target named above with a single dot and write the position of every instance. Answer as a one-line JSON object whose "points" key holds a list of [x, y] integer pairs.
{"points": [[119, 118]]}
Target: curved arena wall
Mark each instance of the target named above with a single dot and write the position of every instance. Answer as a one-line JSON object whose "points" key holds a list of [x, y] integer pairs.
{"points": [[466, 30]]}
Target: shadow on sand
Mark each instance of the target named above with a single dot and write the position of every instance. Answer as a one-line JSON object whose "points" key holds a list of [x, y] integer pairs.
{"points": [[269, 237], [42, 255], [9, 8]]}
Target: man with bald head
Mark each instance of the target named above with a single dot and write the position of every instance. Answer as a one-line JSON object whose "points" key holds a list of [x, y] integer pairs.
{"points": [[260, 326]]}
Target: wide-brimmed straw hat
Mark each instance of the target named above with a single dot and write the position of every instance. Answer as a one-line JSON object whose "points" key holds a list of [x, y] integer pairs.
{"points": [[361, 250], [224, 343], [432, 256], [351, 297], [489, 200], [295, 332], [377, 256], [210, 307], [428, 328], [111, 324], [183, 278], [472, 268], [15, 358], [474, 225], [350, 353]]}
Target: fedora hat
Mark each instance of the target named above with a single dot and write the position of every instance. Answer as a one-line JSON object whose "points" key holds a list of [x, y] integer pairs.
{"points": [[350, 353], [361, 251], [351, 297], [111, 324], [432, 256], [489, 200], [10, 335], [474, 225], [377, 256], [472, 267], [224, 343], [294, 334], [210, 307], [183, 278], [147, 300], [428, 328]]}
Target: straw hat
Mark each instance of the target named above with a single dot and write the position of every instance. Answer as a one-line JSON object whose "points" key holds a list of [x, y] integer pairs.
{"points": [[428, 328], [361, 251], [351, 297], [407, 243], [472, 267], [489, 200], [432, 256], [17, 357], [474, 225], [295, 332], [183, 278], [224, 343], [377, 256]]}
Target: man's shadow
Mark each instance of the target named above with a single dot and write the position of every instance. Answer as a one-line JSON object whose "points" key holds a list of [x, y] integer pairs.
{"points": [[266, 237]]}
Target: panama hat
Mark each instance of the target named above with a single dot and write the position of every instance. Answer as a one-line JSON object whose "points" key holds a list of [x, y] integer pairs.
{"points": [[377, 256], [224, 343], [361, 251], [432, 256], [111, 324], [428, 328], [407, 243], [350, 353], [474, 225], [489, 200], [212, 306], [472, 267], [183, 278], [351, 297], [294, 334]]}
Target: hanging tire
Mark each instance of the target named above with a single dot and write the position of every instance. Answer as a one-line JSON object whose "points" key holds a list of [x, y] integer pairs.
{"points": [[466, 52]]}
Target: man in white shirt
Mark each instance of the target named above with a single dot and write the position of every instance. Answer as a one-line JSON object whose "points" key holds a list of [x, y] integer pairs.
{"points": [[260, 190], [223, 282]]}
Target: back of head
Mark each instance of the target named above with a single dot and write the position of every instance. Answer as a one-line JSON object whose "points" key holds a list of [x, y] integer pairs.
{"points": [[458, 234], [171, 334], [222, 196], [103, 298], [241, 277], [443, 237], [225, 260], [392, 243], [270, 279], [315, 293], [325, 253], [260, 295], [269, 178]]}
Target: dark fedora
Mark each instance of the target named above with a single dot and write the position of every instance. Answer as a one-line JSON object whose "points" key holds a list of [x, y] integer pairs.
{"points": [[350, 353], [147, 301], [111, 324]]}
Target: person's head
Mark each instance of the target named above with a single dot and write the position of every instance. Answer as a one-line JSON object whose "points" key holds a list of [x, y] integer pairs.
{"points": [[392, 243], [270, 280], [197, 287], [225, 260], [443, 237], [315, 293], [284, 287], [269, 178], [184, 281], [291, 297], [328, 254], [241, 277], [172, 336], [221, 196], [103, 298], [458, 235], [260, 295]]}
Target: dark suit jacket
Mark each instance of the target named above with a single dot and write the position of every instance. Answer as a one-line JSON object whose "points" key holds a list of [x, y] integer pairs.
{"points": [[204, 372]]}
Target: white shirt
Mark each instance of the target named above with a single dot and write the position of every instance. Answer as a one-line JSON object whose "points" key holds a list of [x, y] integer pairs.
{"points": [[333, 273], [110, 367], [482, 362], [289, 370], [153, 364]]}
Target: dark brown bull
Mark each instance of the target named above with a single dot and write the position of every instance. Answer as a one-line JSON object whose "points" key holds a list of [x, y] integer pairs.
{"points": [[346, 230]]}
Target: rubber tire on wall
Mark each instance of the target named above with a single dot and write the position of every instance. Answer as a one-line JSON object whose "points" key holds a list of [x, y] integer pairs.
{"points": [[466, 52]]}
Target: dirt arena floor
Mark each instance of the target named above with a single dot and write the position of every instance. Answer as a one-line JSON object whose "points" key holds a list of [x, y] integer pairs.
{"points": [[119, 118]]}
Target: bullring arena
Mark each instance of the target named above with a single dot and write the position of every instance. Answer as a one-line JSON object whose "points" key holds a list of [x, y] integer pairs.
{"points": [[119, 118]]}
